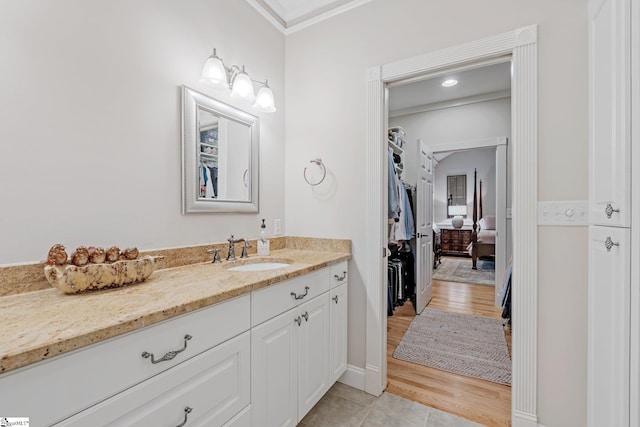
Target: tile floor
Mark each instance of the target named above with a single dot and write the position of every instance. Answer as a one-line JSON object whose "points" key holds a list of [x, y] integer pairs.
{"points": [[344, 406]]}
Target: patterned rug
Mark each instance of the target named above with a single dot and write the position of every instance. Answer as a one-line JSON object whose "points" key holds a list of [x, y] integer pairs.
{"points": [[467, 345], [458, 269]]}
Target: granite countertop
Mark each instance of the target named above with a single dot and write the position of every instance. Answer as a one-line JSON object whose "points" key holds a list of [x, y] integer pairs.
{"points": [[45, 323]]}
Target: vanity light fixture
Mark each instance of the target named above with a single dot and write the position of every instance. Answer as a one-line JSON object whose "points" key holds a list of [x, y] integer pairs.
{"points": [[241, 85], [449, 83]]}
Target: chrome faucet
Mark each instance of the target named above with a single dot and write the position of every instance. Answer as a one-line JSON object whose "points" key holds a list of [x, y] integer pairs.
{"points": [[231, 256]]}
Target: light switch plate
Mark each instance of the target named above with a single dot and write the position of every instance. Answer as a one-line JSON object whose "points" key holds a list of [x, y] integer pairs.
{"points": [[277, 227], [571, 213]]}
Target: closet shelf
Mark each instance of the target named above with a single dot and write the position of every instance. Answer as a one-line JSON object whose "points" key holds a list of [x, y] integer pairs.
{"points": [[395, 148], [206, 144]]}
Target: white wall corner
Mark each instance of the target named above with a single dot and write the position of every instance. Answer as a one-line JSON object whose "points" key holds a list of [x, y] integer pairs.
{"points": [[354, 377], [526, 35]]}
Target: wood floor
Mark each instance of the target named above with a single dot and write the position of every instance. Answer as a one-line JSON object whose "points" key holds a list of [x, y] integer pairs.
{"points": [[481, 401]]}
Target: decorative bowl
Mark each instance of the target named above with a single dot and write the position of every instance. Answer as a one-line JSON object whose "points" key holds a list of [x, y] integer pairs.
{"points": [[73, 279]]}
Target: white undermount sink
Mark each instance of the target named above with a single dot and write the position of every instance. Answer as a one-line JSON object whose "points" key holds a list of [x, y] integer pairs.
{"points": [[259, 266]]}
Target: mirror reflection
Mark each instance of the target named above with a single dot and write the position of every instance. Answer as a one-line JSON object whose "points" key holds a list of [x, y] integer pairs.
{"points": [[220, 156], [223, 171], [456, 195]]}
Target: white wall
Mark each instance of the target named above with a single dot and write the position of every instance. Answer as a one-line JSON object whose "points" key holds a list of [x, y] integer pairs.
{"points": [[90, 120], [464, 163], [480, 120], [326, 68]]}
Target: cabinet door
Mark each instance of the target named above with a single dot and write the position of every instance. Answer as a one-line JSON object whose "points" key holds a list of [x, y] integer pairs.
{"points": [[313, 353], [338, 333], [609, 121], [609, 323], [274, 366]]}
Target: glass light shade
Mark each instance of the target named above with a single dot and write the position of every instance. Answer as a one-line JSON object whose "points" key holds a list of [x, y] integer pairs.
{"points": [[264, 100], [242, 86], [214, 71]]}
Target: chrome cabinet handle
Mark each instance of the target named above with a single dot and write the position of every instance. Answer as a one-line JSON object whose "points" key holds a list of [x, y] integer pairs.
{"points": [[170, 355], [609, 210], [298, 320], [187, 411], [340, 279], [306, 316], [335, 298], [296, 296], [608, 243]]}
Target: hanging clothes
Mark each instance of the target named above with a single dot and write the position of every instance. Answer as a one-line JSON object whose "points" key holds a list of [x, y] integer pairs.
{"points": [[206, 183], [404, 228], [392, 187]]}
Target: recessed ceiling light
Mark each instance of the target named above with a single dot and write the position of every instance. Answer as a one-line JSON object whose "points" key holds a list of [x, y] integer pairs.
{"points": [[449, 82]]}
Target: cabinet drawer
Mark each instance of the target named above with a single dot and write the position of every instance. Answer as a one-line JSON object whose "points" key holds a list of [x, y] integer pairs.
{"points": [[58, 388], [339, 273], [268, 302], [213, 385]]}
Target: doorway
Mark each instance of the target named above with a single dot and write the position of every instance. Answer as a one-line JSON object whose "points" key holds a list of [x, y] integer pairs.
{"points": [[521, 44]]}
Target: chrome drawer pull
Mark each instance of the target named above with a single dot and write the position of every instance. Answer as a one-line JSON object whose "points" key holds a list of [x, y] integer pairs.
{"points": [[610, 244], [335, 299], [340, 279], [187, 411], [170, 355], [298, 320], [609, 210], [296, 296], [306, 316]]}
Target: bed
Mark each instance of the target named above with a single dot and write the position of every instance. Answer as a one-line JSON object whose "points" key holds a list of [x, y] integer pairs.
{"points": [[483, 236]]}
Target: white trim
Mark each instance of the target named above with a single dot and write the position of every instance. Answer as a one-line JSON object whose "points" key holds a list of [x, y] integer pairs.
{"points": [[522, 420], [354, 377], [376, 195], [469, 145], [485, 97], [522, 45], [289, 27]]}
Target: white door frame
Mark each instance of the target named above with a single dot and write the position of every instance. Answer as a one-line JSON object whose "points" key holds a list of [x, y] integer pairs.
{"points": [[500, 144], [521, 44]]}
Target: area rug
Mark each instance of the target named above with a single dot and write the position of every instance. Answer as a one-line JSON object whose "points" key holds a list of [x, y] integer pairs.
{"points": [[457, 269], [467, 345]]}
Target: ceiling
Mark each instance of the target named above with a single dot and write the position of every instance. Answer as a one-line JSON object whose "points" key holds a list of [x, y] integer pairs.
{"points": [[291, 15], [490, 82]]}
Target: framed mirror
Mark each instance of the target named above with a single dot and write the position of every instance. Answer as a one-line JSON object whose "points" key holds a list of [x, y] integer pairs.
{"points": [[456, 195], [219, 156]]}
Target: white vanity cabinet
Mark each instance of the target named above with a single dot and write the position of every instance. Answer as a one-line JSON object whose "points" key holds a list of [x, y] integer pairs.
{"points": [[293, 354], [113, 379]]}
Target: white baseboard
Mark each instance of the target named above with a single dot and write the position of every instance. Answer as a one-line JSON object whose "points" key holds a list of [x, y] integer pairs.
{"points": [[525, 420], [354, 377]]}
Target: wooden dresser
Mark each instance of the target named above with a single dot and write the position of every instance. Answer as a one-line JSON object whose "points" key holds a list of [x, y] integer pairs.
{"points": [[455, 241]]}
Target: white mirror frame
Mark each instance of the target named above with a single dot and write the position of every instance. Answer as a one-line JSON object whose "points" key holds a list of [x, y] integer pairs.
{"points": [[191, 203]]}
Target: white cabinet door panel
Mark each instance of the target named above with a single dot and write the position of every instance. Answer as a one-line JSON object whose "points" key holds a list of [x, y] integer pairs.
{"points": [[338, 314], [313, 353], [609, 121], [609, 326], [274, 366]]}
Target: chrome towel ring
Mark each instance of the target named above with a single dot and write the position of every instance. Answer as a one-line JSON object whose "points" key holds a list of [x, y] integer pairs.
{"points": [[324, 172]]}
